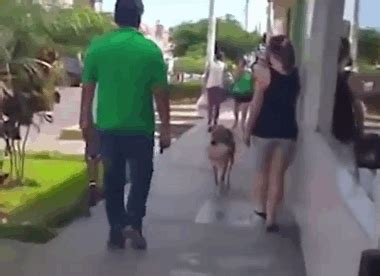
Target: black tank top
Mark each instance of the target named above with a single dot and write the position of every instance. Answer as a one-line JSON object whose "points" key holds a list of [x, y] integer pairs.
{"points": [[277, 118]]}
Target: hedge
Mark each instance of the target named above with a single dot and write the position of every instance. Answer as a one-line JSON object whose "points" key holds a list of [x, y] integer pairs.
{"points": [[187, 90], [53, 203]]}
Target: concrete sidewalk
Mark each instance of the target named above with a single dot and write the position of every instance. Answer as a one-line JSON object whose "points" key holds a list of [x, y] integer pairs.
{"points": [[190, 230]]}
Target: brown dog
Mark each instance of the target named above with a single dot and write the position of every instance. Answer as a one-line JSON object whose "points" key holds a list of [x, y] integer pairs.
{"points": [[221, 153]]}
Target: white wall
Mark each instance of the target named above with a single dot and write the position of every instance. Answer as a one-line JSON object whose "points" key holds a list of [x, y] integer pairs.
{"points": [[332, 237], [332, 240]]}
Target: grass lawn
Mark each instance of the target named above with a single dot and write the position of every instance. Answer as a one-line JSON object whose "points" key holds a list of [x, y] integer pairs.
{"points": [[55, 197], [47, 176]]}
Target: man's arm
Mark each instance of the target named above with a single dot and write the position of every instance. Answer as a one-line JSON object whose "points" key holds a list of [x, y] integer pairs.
{"points": [[89, 80], [161, 95], [88, 92]]}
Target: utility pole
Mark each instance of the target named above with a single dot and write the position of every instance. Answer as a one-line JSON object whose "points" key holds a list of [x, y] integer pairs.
{"points": [[246, 12], [211, 35], [354, 32], [269, 20]]}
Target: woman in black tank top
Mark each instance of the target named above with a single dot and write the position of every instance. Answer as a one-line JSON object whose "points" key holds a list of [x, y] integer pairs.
{"points": [[272, 123]]}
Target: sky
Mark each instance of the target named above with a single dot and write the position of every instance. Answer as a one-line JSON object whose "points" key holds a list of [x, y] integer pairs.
{"points": [[174, 12]]}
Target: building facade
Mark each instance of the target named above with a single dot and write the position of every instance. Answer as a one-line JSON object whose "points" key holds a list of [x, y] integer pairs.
{"points": [[336, 218]]}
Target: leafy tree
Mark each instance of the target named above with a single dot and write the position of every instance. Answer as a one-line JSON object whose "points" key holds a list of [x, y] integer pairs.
{"points": [[73, 29], [189, 34], [233, 40], [369, 45], [189, 65], [191, 38], [197, 50]]}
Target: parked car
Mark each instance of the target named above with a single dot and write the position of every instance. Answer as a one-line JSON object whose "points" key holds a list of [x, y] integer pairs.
{"points": [[73, 67]]}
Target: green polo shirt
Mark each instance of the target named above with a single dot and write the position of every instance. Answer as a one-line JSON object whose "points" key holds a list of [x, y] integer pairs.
{"points": [[126, 67]]}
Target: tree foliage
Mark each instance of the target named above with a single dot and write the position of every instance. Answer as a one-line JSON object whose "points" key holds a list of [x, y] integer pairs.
{"points": [[189, 65], [190, 38], [31, 39], [369, 45], [72, 29]]}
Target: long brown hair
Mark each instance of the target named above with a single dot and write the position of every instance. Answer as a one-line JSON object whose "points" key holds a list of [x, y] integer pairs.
{"points": [[282, 49]]}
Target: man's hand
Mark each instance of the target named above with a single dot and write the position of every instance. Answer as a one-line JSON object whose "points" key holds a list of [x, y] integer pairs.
{"points": [[165, 138], [84, 122]]}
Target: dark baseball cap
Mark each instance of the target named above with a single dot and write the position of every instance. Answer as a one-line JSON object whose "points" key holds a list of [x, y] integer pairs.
{"points": [[130, 6], [128, 12]]}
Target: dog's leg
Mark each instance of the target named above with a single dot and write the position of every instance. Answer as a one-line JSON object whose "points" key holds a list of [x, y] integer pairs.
{"points": [[229, 174], [223, 180], [215, 175]]}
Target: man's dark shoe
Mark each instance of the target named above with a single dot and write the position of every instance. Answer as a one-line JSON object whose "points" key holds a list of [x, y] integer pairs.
{"points": [[138, 241], [116, 240], [111, 245], [262, 215], [274, 228]]}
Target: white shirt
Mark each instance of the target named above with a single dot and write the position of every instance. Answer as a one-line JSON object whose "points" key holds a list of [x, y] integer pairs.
{"points": [[216, 74]]}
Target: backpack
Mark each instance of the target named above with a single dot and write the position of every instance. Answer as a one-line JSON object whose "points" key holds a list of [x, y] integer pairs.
{"points": [[244, 85]]}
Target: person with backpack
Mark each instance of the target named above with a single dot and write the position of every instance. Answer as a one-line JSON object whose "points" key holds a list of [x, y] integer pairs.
{"points": [[242, 92]]}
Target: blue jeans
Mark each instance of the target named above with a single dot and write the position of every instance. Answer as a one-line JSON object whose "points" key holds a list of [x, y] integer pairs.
{"points": [[116, 150]]}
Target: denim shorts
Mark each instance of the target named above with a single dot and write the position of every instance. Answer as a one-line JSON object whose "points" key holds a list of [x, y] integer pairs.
{"points": [[263, 146]]}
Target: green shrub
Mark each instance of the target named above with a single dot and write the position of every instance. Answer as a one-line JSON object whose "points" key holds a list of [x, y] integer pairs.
{"points": [[189, 65], [27, 233], [187, 90], [58, 197], [365, 67], [196, 51]]}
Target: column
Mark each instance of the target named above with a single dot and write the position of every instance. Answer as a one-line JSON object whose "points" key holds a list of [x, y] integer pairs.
{"points": [[211, 35], [280, 19], [298, 28], [324, 29], [269, 19], [354, 34]]}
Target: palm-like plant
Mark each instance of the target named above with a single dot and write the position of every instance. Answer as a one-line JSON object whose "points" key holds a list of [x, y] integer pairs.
{"points": [[27, 76], [31, 38]]}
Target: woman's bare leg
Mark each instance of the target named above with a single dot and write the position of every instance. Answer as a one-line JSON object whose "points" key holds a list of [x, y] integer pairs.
{"points": [[244, 112], [260, 185], [216, 114], [236, 113], [279, 165], [209, 113]]}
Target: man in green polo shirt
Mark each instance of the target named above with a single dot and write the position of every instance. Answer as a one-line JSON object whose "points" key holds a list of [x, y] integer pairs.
{"points": [[129, 71]]}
